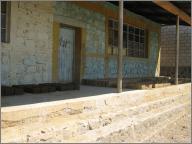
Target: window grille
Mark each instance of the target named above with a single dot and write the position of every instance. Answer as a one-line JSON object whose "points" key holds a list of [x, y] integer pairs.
{"points": [[134, 40], [5, 21]]}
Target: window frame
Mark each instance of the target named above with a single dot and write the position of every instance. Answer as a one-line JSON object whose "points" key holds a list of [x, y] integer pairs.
{"points": [[126, 51], [7, 22]]}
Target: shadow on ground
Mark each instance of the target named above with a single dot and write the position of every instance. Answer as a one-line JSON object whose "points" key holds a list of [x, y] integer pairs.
{"points": [[85, 91]]}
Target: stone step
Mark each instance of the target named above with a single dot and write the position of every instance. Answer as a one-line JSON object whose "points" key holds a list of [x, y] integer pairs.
{"points": [[133, 129], [55, 115], [132, 98], [144, 130], [96, 119], [103, 110]]}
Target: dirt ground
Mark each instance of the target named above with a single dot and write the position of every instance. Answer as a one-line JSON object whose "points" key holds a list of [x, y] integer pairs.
{"points": [[177, 132]]}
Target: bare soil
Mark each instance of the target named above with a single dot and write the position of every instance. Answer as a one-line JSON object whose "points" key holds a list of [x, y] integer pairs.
{"points": [[177, 132]]}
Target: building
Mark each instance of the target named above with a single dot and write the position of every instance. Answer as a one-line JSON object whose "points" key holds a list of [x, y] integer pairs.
{"points": [[168, 38], [47, 45], [48, 42]]}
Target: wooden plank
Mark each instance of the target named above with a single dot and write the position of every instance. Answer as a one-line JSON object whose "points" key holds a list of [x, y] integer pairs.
{"points": [[177, 52], [77, 65], [174, 10], [83, 52], [106, 48], [66, 53], [56, 27]]}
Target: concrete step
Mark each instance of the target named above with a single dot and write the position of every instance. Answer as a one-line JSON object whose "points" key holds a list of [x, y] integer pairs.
{"points": [[69, 112], [81, 123], [78, 105], [132, 129], [66, 119]]}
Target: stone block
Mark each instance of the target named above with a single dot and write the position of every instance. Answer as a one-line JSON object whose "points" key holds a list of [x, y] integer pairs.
{"points": [[18, 90], [31, 69], [30, 60], [7, 91], [28, 78], [64, 87]]}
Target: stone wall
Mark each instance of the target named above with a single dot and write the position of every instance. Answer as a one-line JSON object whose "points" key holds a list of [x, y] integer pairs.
{"points": [[27, 58], [168, 49]]}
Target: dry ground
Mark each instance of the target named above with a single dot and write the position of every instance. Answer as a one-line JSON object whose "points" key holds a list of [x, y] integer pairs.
{"points": [[177, 132]]}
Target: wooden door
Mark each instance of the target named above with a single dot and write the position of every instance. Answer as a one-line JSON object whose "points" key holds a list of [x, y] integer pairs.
{"points": [[66, 54]]}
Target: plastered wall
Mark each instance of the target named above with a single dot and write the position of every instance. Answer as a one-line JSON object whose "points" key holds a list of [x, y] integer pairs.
{"points": [[133, 67], [28, 57], [93, 25]]}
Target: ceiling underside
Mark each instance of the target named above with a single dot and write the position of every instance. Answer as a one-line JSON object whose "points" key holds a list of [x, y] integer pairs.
{"points": [[155, 13]]}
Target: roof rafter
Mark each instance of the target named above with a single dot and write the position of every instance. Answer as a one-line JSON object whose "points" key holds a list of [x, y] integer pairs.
{"points": [[174, 10]]}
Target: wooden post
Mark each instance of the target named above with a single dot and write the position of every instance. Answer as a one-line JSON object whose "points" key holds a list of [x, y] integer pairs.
{"points": [[120, 47], [177, 52]]}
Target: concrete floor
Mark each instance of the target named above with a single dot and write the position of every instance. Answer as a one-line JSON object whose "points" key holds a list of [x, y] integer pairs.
{"points": [[85, 91]]}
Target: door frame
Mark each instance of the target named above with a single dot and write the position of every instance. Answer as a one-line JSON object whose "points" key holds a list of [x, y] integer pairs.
{"points": [[76, 68]]}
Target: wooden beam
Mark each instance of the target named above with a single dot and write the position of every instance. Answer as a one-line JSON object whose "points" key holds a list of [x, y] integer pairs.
{"points": [[174, 10], [55, 51], [120, 48], [177, 52]]}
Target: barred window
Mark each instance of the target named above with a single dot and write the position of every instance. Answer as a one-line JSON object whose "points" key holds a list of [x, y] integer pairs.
{"points": [[5, 21], [134, 40], [113, 35]]}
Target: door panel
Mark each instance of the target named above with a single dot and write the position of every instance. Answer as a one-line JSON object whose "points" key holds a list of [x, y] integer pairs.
{"points": [[66, 54]]}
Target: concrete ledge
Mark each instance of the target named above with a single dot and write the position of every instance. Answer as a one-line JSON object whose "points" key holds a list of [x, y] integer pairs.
{"points": [[14, 113]]}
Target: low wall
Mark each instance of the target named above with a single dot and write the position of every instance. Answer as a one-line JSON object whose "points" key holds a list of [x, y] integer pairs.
{"points": [[17, 113]]}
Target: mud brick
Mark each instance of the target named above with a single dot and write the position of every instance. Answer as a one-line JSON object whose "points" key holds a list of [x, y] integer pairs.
{"points": [[18, 91], [63, 87], [101, 83], [84, 81], [2, 90], [7, 91], [44, 89], [51, 89], [76, 86], [51, 86], [112, 84], [92, 82], [32, 89]]}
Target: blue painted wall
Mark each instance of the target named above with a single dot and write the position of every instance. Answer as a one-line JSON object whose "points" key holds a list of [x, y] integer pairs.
{"points": [[138, 67], [94, 57]]}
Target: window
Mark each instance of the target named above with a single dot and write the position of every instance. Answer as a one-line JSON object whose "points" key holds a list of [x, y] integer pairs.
{"points": [[113, 35], [5, 20], [134, 40]]}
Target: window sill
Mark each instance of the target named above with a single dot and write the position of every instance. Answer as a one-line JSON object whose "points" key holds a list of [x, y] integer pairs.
{"points": [[131, 58]]}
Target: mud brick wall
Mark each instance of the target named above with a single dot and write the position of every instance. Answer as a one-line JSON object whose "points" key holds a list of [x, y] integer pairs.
{"points": [[168, 49]]}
